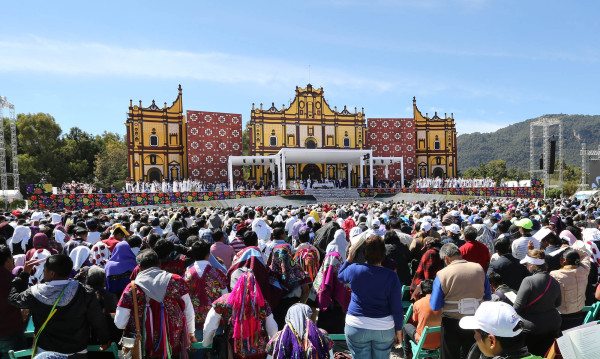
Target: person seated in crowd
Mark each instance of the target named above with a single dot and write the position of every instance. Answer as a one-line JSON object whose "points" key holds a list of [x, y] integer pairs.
{"points": [[457, 290], [96, 279], [117, 235], [119, 268], [289, 276], [11, 325], [573, 280], [300, 338], [171, 326], [508, 267], [307, 256], [398, 252], [521, 244], [221, 250], [537, 301], [429, 264], [206, 285], [453, 235], [422, 316], [498, 332], [500, 291], [246, 314], [473, 250], [375, 314], [64, 312]]}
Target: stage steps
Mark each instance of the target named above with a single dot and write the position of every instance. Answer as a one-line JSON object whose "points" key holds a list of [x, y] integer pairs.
{"points": [[337, 195]]}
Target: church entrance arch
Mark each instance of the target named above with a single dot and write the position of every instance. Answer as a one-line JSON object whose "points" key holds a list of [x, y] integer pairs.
{"points": [[310, 143], [438, 172], [311, 170], [154, 175]]}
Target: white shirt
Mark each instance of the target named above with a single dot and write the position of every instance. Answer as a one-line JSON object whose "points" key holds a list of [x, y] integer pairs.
{"points": [[519, 246]]}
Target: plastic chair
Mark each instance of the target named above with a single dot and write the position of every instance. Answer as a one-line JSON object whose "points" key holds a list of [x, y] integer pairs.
{"points": [[406, 303], [20, 354], [114, 349], [198, 345], [408, 315], [417, 348], [30, 329], [592, 312], [337, 337]]}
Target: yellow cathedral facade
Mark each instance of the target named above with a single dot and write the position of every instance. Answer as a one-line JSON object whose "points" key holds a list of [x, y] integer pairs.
{"points": [[156, 142], [308, 122]]}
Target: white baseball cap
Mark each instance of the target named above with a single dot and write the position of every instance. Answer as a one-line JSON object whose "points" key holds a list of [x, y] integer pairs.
{"points": [[425, 226], [454, 228], [496, 318]]}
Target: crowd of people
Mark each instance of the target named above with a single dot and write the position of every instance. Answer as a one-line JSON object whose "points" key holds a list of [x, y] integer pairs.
{"points": [[501, 277], [459, 182], [77, 187]]}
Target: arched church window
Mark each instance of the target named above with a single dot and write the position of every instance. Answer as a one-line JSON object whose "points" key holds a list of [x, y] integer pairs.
{"points": [[436, 144], [273, 139], [346, 141]]}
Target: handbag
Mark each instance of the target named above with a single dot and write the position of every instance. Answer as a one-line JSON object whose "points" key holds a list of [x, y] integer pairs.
{"points": [[132, 346]]}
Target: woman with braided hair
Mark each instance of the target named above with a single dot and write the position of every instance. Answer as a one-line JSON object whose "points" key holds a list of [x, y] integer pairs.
{"points": [[300, 338], [246, 316]]}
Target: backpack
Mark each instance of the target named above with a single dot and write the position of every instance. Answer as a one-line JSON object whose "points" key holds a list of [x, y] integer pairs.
{"points": [[308, 259]]}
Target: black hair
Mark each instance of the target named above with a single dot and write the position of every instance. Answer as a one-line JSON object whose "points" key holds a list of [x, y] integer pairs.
{"points": [[134, 241], [201, 223], [502, 245], [182, 234], [144, 231], [217, 235], [571, 257], [278, 232], [163, 248], [508, 344], [427, 286], [395, 224], [189, 242], [470, 233], [60, 264], [200, 250], [4, 254], [176, 225], [250, 239], [504, 225], [152, 239], [147, 259], [303, 236], [495, 279]]}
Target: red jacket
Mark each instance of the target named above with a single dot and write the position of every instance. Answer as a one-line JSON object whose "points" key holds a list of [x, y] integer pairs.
{"points": [[476, 252]]}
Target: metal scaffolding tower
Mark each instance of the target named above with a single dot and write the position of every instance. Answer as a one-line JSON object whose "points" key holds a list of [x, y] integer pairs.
{"points": [[12, 120], [545, 123], [585, 158]]}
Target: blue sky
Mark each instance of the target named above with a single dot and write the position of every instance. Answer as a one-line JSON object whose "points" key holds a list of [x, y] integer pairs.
{"points": [[491, 63]]}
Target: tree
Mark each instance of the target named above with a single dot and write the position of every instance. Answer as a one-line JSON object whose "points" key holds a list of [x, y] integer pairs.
{"points": [[496, 170], [38, 145], [111, 164]]}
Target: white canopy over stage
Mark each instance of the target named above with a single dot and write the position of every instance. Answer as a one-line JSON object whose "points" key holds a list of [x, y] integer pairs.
{"points": [[285, 156]]}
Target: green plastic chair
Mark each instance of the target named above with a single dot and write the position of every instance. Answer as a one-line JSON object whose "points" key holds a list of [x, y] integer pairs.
{"points": [[337, 337], [592, 312], [405, 303], [30, 329], [114, 349], [417, 349], [407, 315], [199, 345]]}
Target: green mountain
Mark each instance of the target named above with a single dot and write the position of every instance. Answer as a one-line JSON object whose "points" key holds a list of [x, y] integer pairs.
{"points": [[511, 143]]}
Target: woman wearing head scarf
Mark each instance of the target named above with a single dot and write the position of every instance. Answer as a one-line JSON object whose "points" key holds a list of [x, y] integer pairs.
{"points": [[339, 243], [80, 257], [40, 241], [119, 268], [19, 240], [37, 273], [287, 274], [332, 296], [300, 338], [100, 254], [245, 314]]}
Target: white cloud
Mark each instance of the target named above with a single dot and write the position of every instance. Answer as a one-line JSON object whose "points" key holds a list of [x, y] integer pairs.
{"points": [[35, 54]]}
